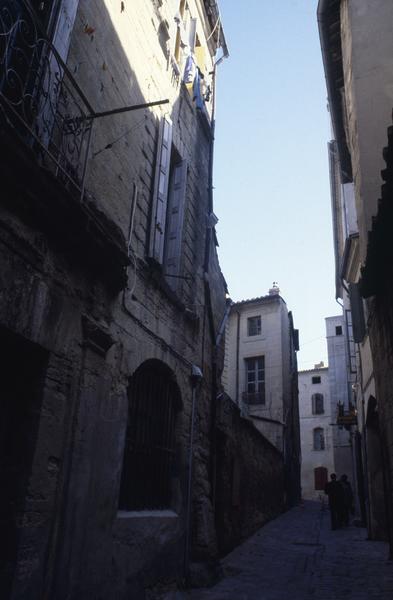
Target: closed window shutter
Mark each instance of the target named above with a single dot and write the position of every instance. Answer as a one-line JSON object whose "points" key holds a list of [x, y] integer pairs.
{"points": [[160, 193], [192, 34], [64, 27], [358, 320], [174, 226]]}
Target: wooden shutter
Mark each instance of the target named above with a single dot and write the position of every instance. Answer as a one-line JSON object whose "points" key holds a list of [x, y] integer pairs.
{"points": [[358, 320], [160, 193], [64, 27], [320, 478], [175, 218], [192, 34]]}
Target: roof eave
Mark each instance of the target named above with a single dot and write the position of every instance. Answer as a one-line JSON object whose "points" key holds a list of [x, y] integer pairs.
{"points": [[326, 9]]}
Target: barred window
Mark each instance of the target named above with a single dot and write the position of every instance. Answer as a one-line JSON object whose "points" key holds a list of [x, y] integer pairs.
{"points": [[149, 454]]}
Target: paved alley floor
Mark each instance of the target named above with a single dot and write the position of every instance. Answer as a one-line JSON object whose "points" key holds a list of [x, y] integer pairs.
{"points": [[298, 557]]}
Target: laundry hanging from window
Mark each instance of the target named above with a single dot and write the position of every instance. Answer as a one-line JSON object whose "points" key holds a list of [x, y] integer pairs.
{"points": [[193, 74]]}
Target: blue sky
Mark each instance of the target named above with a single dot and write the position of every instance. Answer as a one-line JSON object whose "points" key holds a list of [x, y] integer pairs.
{"points": [[271, 170]]}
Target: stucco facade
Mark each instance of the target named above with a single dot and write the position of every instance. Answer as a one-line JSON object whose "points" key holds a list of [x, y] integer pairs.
{"points": [[260, 372], [339, 392], [315, 415]]}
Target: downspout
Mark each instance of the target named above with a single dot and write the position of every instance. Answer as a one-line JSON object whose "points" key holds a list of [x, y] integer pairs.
{"points": [[215, 397], [196, 378], [237, 356], [208, 304], [364, 444], [197, 375]]}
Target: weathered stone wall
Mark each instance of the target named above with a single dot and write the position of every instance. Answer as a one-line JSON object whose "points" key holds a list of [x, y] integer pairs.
{"points": [[250, 477], [367, 49], [73, 541], [311, 458], [381, 338]]}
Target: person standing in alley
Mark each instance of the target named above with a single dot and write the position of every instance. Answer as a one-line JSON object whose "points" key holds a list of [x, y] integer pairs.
{"points": [[348, 499], [335, 493]]}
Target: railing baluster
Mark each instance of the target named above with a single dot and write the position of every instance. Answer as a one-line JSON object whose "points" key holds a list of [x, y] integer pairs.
{"points": [[39, 98]]}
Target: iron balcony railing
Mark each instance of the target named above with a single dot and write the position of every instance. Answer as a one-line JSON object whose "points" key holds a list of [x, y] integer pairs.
{"points": [[346, 417], [39, 98], [254, 398]]}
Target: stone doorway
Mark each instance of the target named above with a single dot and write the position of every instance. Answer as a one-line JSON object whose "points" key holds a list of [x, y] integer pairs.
{"points": [[22, 372]]}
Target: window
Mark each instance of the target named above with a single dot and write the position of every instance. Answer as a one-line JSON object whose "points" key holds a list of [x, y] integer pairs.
{"points": [[148, 463], [320, 478], [186, 33], [339, 330], [255, 380], [319, 439], [254, 326], [357, 311], [317, 404], [168, 205], [316, 379]]}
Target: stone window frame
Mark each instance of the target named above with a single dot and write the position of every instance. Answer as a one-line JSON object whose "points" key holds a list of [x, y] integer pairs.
{"points": [[148, 481], [317, 404], [254, 326], [258, 383]]}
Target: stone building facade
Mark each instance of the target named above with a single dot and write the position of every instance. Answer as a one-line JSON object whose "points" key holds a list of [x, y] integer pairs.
{"points": [[260, 375], [250, 477], [340, 393], [112, 299], [316, 431], [357, 50]]}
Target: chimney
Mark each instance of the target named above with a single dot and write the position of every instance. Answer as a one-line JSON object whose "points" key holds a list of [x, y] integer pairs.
{"points": [[274, 290]]}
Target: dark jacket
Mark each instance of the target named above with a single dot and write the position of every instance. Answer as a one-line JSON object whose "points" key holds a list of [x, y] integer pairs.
{"points": [[335, 492]]}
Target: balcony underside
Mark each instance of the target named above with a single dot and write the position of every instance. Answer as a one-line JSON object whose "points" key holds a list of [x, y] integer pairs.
{"points": [[73, 226]]}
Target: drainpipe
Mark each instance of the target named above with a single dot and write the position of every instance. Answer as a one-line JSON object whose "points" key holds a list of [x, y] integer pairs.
{"points": [[215, 395], [196, 378], [237, 357], [364, 445]]}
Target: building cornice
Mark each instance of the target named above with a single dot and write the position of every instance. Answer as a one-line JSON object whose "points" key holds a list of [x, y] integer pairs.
{"points": [[329, 25]]}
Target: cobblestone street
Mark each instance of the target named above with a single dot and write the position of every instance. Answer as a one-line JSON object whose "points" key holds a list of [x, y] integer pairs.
{"points": [[298, 557]]}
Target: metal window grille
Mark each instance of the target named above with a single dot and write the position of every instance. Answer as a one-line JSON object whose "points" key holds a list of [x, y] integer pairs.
{"points": [[39, 99], [150, 440]]}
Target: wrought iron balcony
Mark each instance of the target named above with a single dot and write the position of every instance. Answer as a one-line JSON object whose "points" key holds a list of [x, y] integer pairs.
{"points": [[39, 98], [346, 417], [254, 398]]}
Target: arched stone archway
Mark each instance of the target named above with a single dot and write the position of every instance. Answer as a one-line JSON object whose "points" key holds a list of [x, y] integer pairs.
{"points": [[149, 461]]}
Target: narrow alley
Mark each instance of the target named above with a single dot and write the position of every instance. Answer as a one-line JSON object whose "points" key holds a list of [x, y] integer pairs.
{"points": [[298, 557]]}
